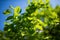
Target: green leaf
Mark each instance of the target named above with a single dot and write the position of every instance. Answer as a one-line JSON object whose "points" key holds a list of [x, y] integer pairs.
{"points": [[17, 9], [7, 12], [10, 17]]}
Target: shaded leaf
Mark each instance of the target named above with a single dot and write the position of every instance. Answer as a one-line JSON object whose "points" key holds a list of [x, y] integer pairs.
{"points": [[10, 17]]}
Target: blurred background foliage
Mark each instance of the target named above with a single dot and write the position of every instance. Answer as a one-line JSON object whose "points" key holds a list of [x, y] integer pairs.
{"points": [[39, 22]]}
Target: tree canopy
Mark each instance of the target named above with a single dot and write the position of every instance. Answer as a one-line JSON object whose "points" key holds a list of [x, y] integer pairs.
{"points": [[39, 22]]}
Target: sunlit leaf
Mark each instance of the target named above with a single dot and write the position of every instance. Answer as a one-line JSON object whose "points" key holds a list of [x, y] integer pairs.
{"points": [[7, 12], [16, 11], [37, 26], [9, 29]]}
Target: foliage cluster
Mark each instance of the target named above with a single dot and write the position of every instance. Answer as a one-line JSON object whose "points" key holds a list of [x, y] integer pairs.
{"points": [[39, 22]]}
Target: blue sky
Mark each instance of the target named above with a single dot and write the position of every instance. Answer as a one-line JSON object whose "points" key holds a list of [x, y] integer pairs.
{"points": [[4, 4]]}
